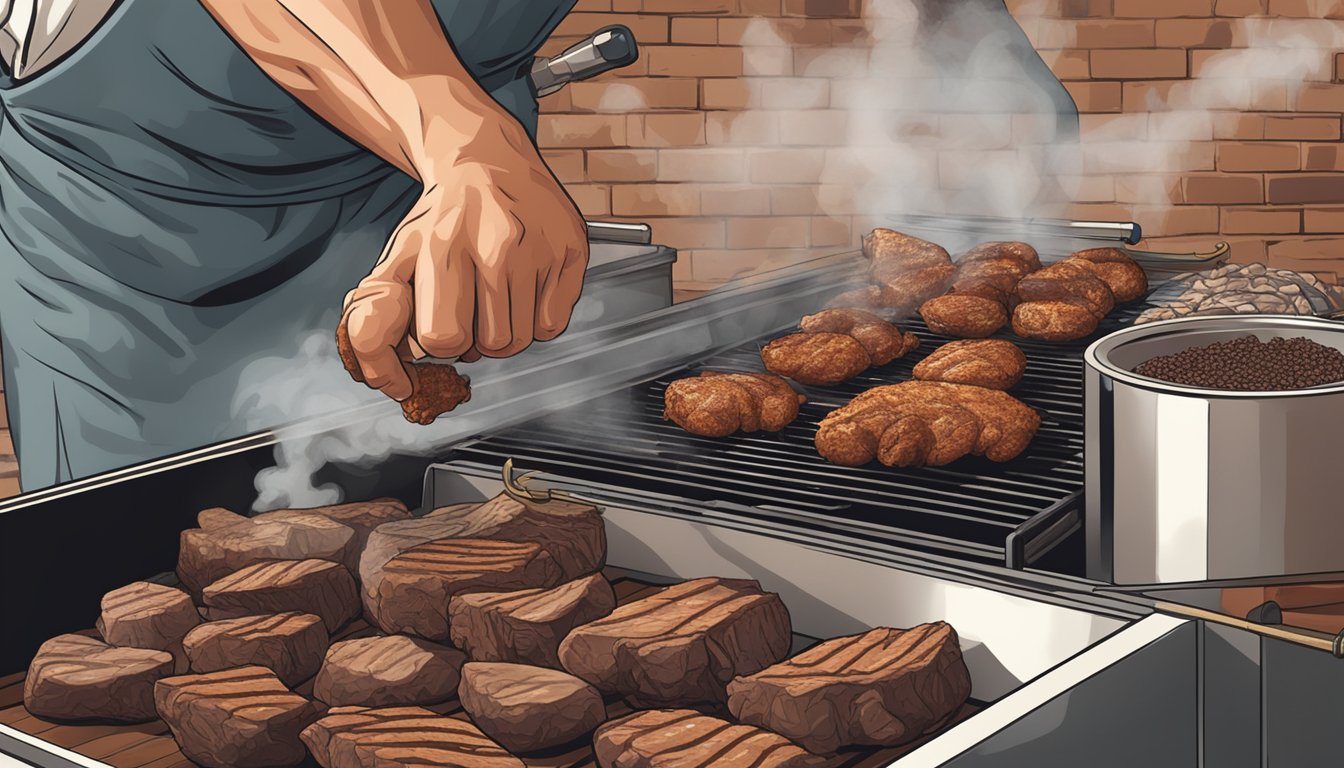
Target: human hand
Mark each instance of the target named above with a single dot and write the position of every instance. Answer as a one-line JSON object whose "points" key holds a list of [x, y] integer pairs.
{"points": [[491, 257]]}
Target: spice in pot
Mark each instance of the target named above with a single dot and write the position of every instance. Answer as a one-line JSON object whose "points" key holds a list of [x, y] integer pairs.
{"points": [[1248, 364]]}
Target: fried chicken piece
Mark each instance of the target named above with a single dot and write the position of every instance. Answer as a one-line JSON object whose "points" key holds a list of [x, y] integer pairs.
{"points": [[983, 290], [883, 341], [719, 404], [816, 359], [911, 270], [436, 388], [988, 363], [1054, 320], [964, 316], [1122, 274], [1070, 281], [877, 424]]}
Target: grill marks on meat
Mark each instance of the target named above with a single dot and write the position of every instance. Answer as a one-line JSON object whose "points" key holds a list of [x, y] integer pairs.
{"points": [[289, 644], [436, 388], [983, 290], [237, 718], [208, 554], [1068, 299], [836, 345], [1126, 279], [924, 423], [148, 615], [681, 645], [350, 737], [908, 271], [720, 404], [526, 626], [417, 584], [882, 341], [527, 709], [885, 687], [316, 586], [74, 677], [679, 738], [388, 671], [988, 363]]}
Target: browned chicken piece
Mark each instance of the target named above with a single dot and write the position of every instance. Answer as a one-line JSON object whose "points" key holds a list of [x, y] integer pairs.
{"points": [[911, 270], [988, 363], [816, 359], [983, 290], [1069, 281], [436, 388], [957, 420], [1122, 274], [1054, 321], [883, 341], [720, 404]]}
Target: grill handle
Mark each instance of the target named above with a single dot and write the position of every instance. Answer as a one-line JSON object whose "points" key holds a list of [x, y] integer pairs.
{"points": [[614, 232]]}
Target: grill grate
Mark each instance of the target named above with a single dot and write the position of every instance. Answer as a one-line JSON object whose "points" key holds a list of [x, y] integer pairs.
{"points": [[969, 509]]}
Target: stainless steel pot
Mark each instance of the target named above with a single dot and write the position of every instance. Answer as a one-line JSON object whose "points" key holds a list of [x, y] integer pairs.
{"points": [[1188, 484]]}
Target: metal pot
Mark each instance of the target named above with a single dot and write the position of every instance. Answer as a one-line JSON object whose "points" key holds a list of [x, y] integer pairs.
{"points": [[1188, 484]]}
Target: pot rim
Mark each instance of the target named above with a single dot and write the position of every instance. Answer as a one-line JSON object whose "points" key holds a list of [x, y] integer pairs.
{"points": [[1097, 355]]}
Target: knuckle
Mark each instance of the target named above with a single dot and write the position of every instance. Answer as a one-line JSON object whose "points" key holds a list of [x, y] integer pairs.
{"points": [[443, 342]]}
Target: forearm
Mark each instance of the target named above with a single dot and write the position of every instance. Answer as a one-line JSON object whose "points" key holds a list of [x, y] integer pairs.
{"points": [[382, 73]]}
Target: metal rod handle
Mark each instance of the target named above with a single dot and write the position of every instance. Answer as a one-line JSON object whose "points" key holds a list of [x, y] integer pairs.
{"points": [[615, 232]]}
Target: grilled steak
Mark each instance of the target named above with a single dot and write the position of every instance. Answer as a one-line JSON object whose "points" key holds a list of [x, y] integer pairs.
{"points": [[526, 626], [237, 718], [436, 388], [417, 584], [207, 555], [571, 534], [681, 645], [218, 517], [401, 737], [678, 738], [885, 687], [388, 671], [988, 363], [527, 709], [74, 677], [148, 615], [361, 517], [1122, 274], [719, 404], [816, 359], [882, 341], [289, 644], [313, 586]]}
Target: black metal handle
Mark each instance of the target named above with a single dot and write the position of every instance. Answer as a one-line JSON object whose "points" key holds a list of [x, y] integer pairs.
{"points": [[1041, 532]]}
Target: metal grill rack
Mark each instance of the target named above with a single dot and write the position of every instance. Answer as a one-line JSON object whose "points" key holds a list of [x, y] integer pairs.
{"points": [[1011, 513]]}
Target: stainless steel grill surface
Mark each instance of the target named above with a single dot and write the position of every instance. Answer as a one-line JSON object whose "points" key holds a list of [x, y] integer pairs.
{"points": [[1011, 514]]}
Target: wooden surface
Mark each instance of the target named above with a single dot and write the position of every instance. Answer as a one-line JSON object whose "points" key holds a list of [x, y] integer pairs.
{"points": [[149, 745]]}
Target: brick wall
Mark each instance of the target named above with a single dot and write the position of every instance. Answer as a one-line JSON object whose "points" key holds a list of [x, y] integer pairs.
{"points": [[1204, 120]]}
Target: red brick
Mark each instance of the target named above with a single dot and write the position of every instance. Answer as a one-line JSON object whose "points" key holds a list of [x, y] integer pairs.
{"points": [[655, 200], [668, 129], [747, 128], [1114, 33], [1235, 125], [1313, 252], [795, 93], [850, 32], [566, 164], [693, 61], [635, 95], [1181, 220], [767, 61], [1139, 63], [1131, 127], [581, 131], [1189, 125], [1194, 33], [786, 166], [1237, 8], [765, 8], [556, 103], [702, 164], [622, 165], [1305, 188], [822, 8], [689, 233], [769, 232], [682, 7], [1222, 189], [795, 200], [1068, 64], [1095, 97], [647, 29], [1261, 221], [1163, 8], [1258, 156], [592, 199], [828, 231], [1322, 157], [725, 93], [749, 31], [591, 6], [814, 127], [1320, 220], [1148, 189], [1088, 189], [735, 200], [1339, 67], [1319, 97], [1310, 9], [830, 62], [713, 266], [688, 30], [1302, 127]]}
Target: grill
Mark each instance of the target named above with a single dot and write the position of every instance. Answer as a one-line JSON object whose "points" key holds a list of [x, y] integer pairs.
{"points": [[1011, 514]]}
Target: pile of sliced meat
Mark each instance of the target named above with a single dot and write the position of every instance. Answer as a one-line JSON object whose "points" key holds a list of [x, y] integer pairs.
{"points": [[500, 608]]}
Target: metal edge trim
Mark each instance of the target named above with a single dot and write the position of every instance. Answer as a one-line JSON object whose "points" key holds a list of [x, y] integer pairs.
{"points": [[34, 751], [1034, 529], [1003, 713]]}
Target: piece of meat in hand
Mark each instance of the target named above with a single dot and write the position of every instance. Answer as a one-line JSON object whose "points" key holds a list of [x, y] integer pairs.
{"points": [[436, 388], [988, 363], [719, 404], [883, 341], [816, 359]]}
